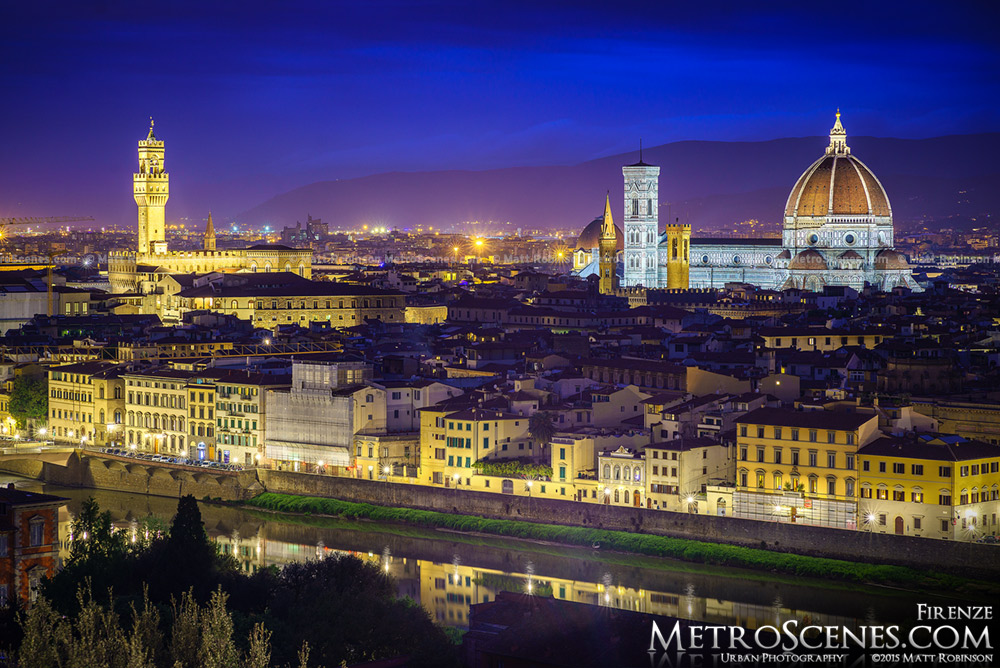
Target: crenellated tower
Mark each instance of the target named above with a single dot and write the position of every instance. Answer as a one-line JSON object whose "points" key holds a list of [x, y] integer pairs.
{"points": [[150, 189], [641, 224], [677, 242], [608, 249]]}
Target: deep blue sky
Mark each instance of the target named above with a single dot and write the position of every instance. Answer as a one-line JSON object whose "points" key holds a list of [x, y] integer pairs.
{"points": [[254, 98]]}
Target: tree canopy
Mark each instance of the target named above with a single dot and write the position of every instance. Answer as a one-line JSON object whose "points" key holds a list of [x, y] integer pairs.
{"points": [[29, 399], [170, 598]]}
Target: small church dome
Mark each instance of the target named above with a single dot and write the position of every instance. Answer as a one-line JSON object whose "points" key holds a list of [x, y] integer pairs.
{"points": [[592, 234]]}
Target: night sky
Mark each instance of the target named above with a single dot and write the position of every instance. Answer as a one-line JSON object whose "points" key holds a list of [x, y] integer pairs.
{"points": [[255, 98]]}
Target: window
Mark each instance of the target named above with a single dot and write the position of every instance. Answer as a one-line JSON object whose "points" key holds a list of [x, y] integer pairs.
{"points": [[777, 455], [743, 430], [812, 435], [831, 460], [898, 467], [850, 462], [917, 497], [944, 526], [813, 456], [4, 546], [916, 523], [760, 432], [964, 471], [882, 493], [36, 530], [849, 487], [866, 465], [760, 454], [760, 479], [898, 495], [881, 519], [850, 438], [866, 492], [944, 471], [944, 499], [743, 454], [831, 437], [777, 432], [831, 486], [795, 457], [795, 434], [917, 469], [777, 481], [881, 467]]}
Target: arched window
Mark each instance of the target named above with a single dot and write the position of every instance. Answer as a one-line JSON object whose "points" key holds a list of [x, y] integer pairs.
{"points": [[100, 394], [232, 304], [118, 393], [618, 474], [118, 417], [102, 416], [627, 473], [777, 480], [637, 474], [617, 497], [607, 471]]}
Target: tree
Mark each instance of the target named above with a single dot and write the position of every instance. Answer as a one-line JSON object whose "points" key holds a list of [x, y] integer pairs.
{"points": [[29, 399], [541, 427]]}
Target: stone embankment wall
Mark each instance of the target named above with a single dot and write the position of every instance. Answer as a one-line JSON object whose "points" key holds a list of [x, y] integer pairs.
{"points": [[138, 476], [143, 477], [959, 557]]}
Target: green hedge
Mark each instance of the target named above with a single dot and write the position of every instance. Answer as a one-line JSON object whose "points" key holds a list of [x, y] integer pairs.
{"points": [[512, 468], [658, 546]]}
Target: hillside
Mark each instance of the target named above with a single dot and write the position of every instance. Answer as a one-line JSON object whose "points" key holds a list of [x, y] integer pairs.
{"points": [[707, 183]]}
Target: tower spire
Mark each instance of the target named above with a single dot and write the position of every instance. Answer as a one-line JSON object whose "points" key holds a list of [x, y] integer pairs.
{"points": [[209, 233], [640, 149], [608, 227], [838, 138]]}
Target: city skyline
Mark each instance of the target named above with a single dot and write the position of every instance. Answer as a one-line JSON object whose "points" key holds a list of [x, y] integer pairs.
{"points": [[326, 93]]}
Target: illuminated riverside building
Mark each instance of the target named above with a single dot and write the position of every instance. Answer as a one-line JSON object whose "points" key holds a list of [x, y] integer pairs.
{"points": [[139, 270], [86, 404], [935, 485], [800, 467]]}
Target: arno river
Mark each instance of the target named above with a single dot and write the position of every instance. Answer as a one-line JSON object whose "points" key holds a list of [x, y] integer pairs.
{"points": [[447, 572]]}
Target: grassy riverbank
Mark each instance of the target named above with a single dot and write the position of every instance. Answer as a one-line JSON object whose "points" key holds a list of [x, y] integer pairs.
{"points": [[657, 546]]}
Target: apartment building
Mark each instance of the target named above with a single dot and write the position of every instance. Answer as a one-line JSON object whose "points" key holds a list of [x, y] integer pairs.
{"points": [[451, 441], [86, 404], [241, 413], [934, 485], [156, 412], [680, 471], [800, 466]]}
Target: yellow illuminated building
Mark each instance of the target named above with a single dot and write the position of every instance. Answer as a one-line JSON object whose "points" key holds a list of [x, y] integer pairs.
{"points": [[86, 404], [800, 466], [939, 486]]}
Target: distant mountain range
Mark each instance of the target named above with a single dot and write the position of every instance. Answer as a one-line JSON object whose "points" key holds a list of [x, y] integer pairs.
{"points": [[709, 184]]}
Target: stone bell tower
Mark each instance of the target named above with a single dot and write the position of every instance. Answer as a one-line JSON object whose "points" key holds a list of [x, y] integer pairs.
{"points": [[608, 249], [150, 188]]}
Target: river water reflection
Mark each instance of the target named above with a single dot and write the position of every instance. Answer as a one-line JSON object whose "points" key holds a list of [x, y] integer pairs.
{"points": [[447, 572]]}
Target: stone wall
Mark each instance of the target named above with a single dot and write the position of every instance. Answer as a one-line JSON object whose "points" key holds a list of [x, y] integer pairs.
{"points": [[960, 557], [138, 476]]}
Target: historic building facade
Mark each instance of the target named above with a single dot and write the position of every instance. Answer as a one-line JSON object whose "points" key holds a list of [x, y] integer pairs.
{"points": [[132, 271], [837, 231]]}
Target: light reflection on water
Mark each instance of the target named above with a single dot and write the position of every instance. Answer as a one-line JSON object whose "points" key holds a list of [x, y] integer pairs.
{"points": [[446, 576]]}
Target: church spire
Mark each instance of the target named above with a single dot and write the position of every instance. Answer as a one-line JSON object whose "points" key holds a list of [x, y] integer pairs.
{"points": [[608, 228], [838, 139], [210, 234]]}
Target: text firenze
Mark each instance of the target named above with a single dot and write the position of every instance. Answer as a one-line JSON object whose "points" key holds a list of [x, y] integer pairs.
{"points": [[789, 637]]}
